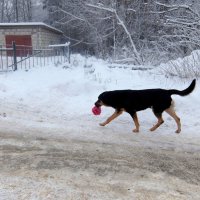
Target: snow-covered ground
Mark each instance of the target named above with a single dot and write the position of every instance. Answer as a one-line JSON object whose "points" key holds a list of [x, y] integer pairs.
{"points": [[54, 104], [56, 97]]}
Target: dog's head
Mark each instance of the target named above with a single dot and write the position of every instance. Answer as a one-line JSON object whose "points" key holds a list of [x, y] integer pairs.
{"points": [[98, 103], [101, 100]]}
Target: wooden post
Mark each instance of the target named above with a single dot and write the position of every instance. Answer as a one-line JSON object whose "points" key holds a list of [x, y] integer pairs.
{"points": [[14, 55], [68, 52]]}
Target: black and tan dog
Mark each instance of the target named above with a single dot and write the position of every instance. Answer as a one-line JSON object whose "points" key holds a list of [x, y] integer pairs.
{"points": [[132, 101]]}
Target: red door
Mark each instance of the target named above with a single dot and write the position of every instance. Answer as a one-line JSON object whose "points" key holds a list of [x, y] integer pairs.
{"points": [[23, 44]]}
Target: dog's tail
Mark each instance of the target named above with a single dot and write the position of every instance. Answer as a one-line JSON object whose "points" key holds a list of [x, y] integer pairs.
{"points": [[186, 91]]}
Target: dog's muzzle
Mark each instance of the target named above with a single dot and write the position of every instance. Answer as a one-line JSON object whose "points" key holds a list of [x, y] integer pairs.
{"points": [[98, 103]]}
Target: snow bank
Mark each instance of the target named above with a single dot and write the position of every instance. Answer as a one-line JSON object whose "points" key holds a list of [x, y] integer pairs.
{"points": [[182, 67]]}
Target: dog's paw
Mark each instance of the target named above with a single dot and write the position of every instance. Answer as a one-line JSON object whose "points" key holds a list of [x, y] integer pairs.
{"points": [[153, 128], [102, 124], [136, 130], [178, 131]]}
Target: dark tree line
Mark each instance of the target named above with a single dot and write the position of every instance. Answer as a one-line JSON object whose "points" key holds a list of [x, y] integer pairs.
{"points": [[15, 10], [136, 31]]}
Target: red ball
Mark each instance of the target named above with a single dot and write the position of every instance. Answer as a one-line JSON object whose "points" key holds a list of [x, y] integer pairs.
{"points": [[96, 110]]}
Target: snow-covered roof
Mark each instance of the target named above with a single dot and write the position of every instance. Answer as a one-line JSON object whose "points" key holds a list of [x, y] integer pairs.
{"points": [[22, 24]]}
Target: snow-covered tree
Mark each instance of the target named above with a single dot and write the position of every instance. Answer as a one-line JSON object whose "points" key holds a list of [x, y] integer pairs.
{"points": [[16, 10], [181, 25]]}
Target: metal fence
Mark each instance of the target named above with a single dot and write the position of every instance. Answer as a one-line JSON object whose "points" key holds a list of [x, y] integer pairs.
{"points": [[13, 57]]}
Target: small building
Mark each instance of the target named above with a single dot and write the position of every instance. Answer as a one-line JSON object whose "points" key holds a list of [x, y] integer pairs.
{"points": [[30, 34]]}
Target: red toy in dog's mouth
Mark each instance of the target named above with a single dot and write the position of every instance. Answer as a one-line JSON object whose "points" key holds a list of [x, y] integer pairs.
{"points": [[96, 110]]}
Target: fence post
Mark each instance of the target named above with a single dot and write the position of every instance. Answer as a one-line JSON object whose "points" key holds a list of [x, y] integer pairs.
{"points": [[68, 52], [14, 55]]}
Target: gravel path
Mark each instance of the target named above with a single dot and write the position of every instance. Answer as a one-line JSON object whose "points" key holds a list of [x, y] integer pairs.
{"points": [[49, 168]]}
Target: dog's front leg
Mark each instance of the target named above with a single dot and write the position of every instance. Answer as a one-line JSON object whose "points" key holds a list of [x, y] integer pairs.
{"points": [[137, 125], [113, 116]]}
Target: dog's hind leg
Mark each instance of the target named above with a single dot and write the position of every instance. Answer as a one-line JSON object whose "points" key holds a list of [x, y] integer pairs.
{"points": [[113, 116], [172, 113], [160, 121]]}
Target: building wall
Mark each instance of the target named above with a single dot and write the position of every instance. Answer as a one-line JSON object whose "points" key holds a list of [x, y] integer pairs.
{"points": [[41, 37], [13, 31], [2, 37]]}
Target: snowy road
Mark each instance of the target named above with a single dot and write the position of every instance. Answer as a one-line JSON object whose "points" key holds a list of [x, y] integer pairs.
{"points": [[49, 168]]}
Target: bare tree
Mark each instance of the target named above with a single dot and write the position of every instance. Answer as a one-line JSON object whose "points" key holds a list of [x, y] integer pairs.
{"points": [[2, 9], [138, 30], [121, 23], [16, 10], [181, 25]]}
